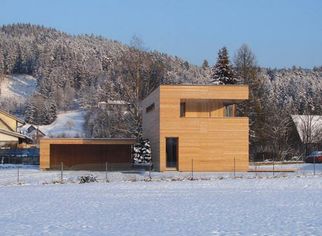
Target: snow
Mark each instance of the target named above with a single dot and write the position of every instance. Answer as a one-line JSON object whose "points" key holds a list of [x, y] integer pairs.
{"points": [[68, 124], [18, 87], [248, 205], [308, 125]]}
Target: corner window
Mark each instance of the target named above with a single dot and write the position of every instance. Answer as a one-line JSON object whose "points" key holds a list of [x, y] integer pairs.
{"points": [[149, 108], [229, 110]]}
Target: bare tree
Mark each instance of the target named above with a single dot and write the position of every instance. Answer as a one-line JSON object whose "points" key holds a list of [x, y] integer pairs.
{"points": [[310, 130], [277, 132], [245, 63]]}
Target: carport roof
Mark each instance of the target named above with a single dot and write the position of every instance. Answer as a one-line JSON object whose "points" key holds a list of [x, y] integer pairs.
{"points": [[88, 140]]}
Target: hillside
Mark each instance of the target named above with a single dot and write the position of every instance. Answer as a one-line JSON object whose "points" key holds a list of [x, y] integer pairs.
{"points": [[86, 68], [68, 72], [15, 90], [17, 86]]}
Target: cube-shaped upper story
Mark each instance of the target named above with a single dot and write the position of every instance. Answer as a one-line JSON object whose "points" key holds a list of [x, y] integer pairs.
{"points": [[201, 125], [196, 100]]}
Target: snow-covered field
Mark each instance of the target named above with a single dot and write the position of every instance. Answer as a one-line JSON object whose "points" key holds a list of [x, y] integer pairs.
{"points": [[217, 205]]}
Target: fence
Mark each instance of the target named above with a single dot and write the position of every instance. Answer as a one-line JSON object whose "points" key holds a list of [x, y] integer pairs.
{"points": [[28, 156], [30, 174]]}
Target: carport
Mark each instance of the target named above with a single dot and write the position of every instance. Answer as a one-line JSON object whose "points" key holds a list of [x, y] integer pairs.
{"points": [[85, 154]]}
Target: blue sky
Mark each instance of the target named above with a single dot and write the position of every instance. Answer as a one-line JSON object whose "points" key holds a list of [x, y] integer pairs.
{"points": [[281, 33]]}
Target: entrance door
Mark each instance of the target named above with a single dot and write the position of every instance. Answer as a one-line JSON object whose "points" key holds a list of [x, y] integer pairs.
{"points": [[172, 152]]}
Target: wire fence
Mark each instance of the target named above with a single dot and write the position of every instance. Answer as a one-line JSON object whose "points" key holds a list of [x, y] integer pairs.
{"points": [[11, 174]]}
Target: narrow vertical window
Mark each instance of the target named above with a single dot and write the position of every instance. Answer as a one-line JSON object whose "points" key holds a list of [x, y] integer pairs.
{"points": [[182, 109]]}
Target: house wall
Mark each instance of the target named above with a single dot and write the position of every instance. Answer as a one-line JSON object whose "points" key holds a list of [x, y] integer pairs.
{"points": [[84, 153], [151, 125], [8, 138], [212, 143]]}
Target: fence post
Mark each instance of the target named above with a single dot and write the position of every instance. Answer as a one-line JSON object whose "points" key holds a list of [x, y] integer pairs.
{"points": [[313, 165], [106, 172], [273, 167], [255, 169], [18, 180], [192, 169], [150, 167], [62, 172], [234, 167]]}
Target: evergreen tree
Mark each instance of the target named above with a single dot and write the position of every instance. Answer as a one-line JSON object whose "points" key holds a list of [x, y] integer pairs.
{"points": [[51, 111], [40, 110], [205, 64], [30, 112], [1, 62], [222, 72]]}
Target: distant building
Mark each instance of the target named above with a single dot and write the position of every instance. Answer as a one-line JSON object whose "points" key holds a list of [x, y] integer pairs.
{"points": [[9, 135], [309, 129], [115, 106], [32, 132]]}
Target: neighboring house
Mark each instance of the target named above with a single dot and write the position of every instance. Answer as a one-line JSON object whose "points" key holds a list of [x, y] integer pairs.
{"points": [[309, 128], [33, 132], [9, 125], [195, 127], [115, 105]]}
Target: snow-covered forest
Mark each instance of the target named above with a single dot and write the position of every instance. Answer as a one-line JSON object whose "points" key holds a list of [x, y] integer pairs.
{"points": [[81, 71]]}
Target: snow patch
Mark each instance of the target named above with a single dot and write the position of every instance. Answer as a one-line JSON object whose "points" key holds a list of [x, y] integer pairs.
{"points": [[68, 124], [18, 86]]}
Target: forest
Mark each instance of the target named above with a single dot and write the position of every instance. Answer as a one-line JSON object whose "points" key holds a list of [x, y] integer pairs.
{"points": [[81, 71]]}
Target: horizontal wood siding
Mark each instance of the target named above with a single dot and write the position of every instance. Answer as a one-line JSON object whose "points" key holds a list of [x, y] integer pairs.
{"points": [[213, 143]]}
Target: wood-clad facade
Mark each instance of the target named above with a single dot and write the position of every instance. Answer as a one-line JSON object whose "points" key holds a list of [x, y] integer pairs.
{"points": [[196, 127], [85, 154]]}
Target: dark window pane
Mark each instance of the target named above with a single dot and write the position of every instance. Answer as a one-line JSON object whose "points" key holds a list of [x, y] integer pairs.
{"points": [[171, 152]]}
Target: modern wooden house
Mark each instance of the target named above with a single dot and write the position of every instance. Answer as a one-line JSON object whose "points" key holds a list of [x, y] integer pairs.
{"points": [[195, 127], [8, 130], [85, 154]]}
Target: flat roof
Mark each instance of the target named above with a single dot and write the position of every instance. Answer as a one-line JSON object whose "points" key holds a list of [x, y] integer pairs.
{"points": [[205, 91], [206, 85], [88, 140]]}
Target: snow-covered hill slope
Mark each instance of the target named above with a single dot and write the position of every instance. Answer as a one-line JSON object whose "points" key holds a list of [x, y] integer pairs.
{"points": [[68, 124], [17, 87]]}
